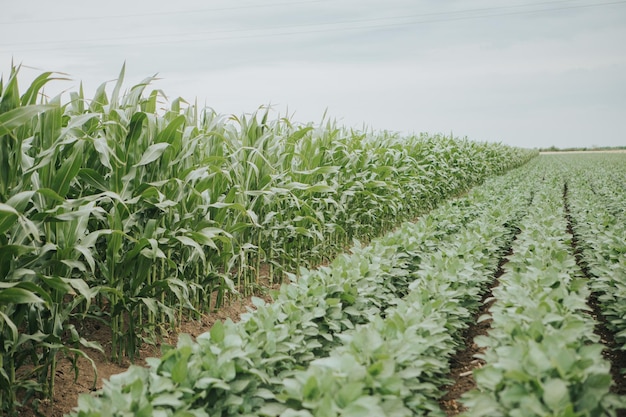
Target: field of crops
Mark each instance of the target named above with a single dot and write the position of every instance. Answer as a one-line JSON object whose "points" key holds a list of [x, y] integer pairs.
{"points": [[120, 211], [116, 210], [373, 332]]}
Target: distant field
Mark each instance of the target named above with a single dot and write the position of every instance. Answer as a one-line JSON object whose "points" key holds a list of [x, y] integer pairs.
{"points": [[599, 151]]}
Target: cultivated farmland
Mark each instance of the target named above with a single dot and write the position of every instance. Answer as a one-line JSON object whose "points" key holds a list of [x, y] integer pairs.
{"points": [[116, 210], [373, 332]]}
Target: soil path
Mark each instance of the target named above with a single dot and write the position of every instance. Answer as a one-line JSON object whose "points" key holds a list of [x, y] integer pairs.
{"points": [[464, 361]]}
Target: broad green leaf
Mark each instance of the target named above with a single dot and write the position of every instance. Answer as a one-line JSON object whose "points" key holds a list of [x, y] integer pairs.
{"points": [[167, 135], [152, 153], [556, 394], [310, 389], [68, 170], [9, 343], [18, 296], [348, 393], [19, 201], [93, 178], [179, 371], [15, 118], [8, 217], [30, 96], [217, 332], [363, 407]]}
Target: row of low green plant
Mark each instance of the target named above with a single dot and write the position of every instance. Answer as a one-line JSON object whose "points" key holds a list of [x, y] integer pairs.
{"points": [[396, 365], [242, 368], [113, 209], [597, 198], [542, 356]]}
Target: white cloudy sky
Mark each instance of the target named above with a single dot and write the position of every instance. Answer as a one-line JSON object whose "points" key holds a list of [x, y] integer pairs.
{"points": [[526, 73]]}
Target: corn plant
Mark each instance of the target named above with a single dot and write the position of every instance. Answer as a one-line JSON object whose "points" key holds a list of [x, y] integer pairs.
{"points": [[140, 212], [43, 287]]}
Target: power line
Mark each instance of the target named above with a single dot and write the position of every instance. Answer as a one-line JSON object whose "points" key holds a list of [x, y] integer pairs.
{"points": [[448, 17], [258, 6], [165, 13]]}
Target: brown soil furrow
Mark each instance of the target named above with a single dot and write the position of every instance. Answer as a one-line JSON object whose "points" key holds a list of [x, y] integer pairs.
{"points": [[464, 361]]}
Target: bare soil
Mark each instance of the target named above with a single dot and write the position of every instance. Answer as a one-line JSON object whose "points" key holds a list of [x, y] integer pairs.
{"points": [[613, 354], [464, 362]]}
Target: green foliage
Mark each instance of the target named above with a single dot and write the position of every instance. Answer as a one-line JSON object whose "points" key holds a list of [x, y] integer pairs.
{"points": [[114, 210], [598, 205], [372, 331], [542, 356]]}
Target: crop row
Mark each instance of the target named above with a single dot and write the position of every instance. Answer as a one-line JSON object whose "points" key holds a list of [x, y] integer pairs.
{"points": [[249, 368], [396, 365], [115, 211], [542, 356], [598, 204]]}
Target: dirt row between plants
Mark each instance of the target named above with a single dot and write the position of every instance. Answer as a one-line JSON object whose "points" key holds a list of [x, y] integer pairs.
{"points": [[463, 363]]}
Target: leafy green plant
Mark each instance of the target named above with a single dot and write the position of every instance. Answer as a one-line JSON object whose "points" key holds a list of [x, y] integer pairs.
{"points": [[542, 357], [599, 221]]}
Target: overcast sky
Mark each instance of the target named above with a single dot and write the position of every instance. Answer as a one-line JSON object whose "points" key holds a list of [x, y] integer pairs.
{"points": [[525, 73]]}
